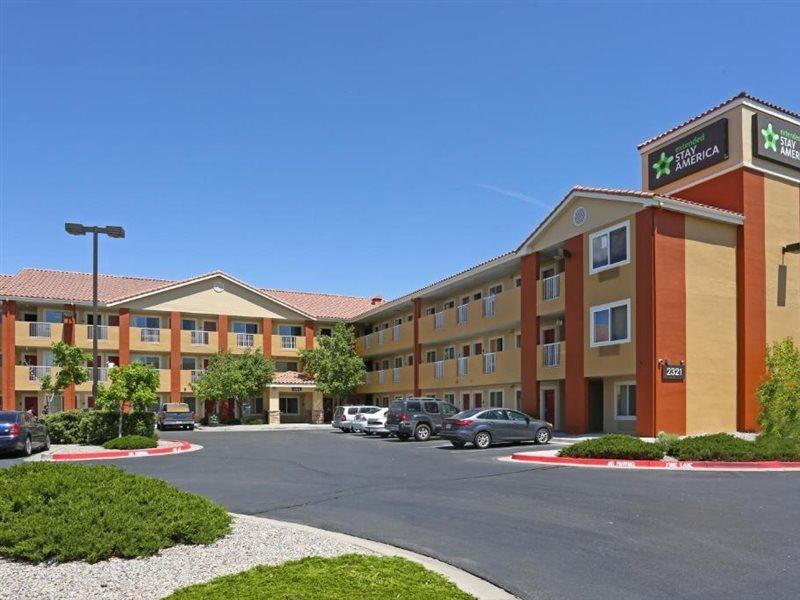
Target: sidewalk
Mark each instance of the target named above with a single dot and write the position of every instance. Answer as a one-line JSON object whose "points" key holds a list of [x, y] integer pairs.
{"points": [[265, 427]]}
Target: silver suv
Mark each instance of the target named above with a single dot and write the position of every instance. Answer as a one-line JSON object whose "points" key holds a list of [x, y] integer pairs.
{"points": [[420, 417]]}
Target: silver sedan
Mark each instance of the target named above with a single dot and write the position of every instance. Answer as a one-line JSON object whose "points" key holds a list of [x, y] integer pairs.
{"points": [[486, 426]]}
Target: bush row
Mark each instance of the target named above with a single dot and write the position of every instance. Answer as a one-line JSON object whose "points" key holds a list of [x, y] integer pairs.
{"points": [[131, 442], [97, 426], [716, 447]]}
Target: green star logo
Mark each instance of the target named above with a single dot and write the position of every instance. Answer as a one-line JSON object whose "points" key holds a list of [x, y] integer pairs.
{"points": [[770, 138], [662, 166]]}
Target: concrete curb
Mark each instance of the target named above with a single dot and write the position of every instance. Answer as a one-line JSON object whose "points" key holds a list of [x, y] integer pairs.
{"points": [[666, 465], [264, 427], [177, 447], [471, 584]]}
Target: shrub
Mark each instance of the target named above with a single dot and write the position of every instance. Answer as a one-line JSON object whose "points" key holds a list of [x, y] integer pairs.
{"points": [[365, 576], [716, 447], [63, 512], [771, 447], [97, 426], [614, 446], [131, 442], [779, 393], [668, 442], [65, 426], [254, 420], [230, 421]]}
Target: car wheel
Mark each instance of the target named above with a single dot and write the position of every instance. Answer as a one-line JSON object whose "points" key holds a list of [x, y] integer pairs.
{"points": [[483, 440], [384, 435], [403, 436], [369, 432], [46, 445], [27, 447], [458, 443], [542, 436], [191, 427], [422, 433]]}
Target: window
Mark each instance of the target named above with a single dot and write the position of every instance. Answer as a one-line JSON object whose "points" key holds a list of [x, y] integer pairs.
{"points": [[496, 398], [516, 416], [625, 395], [409, 318], [449, 304], [90, 319], [53, 316], [146, 322], [153, 361], [284, 365], [496, 345], [289, 406], [495, 415], [464, 300], [113, 320], [188, 324], [610, 324], [430, 356], [410, 360], [496, 289], [449, 353], [326, 331], [518, 282], [431, 408], [609, 248], [398, 362], [449, 397], [239, 327], [414, 406], [294, 330], [430, 310], [477, 296], [188, 363]]}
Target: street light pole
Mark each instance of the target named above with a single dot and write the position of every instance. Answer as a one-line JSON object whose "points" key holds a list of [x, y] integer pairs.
{"points": [[111, 231]]}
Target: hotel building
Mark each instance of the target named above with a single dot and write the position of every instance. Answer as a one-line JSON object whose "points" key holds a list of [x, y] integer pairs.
{"points": [[624, 310]]}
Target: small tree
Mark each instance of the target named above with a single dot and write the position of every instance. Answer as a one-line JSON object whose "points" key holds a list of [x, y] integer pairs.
{"points": [[234, 376], [72, 370], [135, 383], [334, 364], [779, 393]]}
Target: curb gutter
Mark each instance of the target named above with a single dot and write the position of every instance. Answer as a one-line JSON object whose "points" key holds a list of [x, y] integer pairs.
{"points": [[471, 584], [178, 447], [677, 465]]}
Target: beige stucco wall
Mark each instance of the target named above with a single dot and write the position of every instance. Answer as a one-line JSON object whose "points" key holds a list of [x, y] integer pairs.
{"points": [[607, 286], [611, 424], [782, 226], [710, 326]]}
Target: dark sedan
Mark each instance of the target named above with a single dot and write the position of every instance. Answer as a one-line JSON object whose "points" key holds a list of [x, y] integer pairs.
{"points": [[22, 432], [486, 426]]}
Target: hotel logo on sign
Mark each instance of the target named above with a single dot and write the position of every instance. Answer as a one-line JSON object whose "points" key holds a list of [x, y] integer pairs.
{"points": [[776, 140], [703, 148]]}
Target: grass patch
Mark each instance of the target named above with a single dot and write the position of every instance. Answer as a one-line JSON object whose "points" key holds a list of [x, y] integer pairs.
{"points": [[64, 512], [131, 442], [614, 446], [341, 578]]}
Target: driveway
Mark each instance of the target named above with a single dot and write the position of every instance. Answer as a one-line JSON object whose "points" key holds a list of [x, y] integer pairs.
{"points": [[539, 532]]}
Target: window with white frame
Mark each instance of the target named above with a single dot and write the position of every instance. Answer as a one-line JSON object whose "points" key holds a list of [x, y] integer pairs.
{"points": [[430, 356], [496, 398], [610, 324], [625, 397], [188, 324], [145, 322], [449, 353], [242, 327], [289, 405], [449, 304], [398, 362], [290, 330], [153, 361], [450, 397], [430, 310], [188, 363], [609, 248], [496, 289]]}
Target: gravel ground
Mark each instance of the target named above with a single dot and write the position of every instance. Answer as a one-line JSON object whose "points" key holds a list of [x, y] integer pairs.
{"points": [[252, 542]]}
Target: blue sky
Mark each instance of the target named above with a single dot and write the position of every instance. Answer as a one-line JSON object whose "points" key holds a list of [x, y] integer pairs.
{"points": [[345, 147]]}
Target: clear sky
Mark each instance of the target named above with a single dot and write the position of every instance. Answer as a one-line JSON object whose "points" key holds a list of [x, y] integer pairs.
{"points": [[345, 147]]}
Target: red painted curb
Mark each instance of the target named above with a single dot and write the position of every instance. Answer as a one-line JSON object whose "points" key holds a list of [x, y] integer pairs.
{"points": [[181, 446], [654, 464]]}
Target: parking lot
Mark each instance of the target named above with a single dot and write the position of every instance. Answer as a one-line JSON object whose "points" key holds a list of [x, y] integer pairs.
{"points": [[540, 532]]}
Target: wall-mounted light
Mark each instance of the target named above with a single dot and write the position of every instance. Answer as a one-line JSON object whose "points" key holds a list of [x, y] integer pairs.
{"points": [[791, 248]]}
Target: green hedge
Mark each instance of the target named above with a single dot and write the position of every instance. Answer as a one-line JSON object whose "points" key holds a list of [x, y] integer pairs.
{"points": [[131, 442], [729, 448], [63, 512], [614, 446], [97, 426]]}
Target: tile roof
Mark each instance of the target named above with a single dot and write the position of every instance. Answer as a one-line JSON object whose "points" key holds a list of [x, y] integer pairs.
{"points": [[292, 377], [320, 305], [740, 95]]}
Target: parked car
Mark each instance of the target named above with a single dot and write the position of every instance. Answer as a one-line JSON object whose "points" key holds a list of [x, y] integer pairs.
{"points": [[420, 417], [344, 416], [360, 422], [486, 426], [22, 432], [376, 423], [175, 414]]}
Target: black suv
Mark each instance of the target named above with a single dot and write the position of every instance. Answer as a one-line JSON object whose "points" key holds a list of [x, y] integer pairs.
{"points": [[420, 417]]}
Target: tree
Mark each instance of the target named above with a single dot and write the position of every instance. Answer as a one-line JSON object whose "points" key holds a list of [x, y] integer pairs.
{"points": [[234, 376], [334, 364], [779, 393], [135, 383], [72, 370]]}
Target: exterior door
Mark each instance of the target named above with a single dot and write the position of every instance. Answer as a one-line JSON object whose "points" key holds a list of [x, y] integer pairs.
{"points": [[465, 351], [478, 399], [549, 402], [209, 325], [549, 336], [465, 401], [30, 360], [327, 410], [595, 405], [32, 404]]}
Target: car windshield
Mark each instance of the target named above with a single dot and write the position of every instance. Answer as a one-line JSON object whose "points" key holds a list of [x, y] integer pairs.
{"points": [[8, 417], [338, 412], [397, 406], [464, 414], [352, 410], [177, 407], [370, 409]]}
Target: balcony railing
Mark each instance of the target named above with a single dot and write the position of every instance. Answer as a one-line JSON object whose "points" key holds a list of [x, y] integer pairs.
{"points": [[368, 340], [395, 332], [488, 306], [245, 340], [381, 337], [438, 320], [198, 338], [438, 369], [40, 330], [288, 342], [461, 313], [396, 374], [196, 375], [462, 364], [367, 377], [551, 354], [102, 374], [490, 362], [151, 336], [36, 373], [551, 287], [102, 332], [381, 376]]}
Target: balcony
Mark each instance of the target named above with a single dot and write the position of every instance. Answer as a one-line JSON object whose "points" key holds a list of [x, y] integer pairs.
{"points": [[495, 368], [102, 377], [198, 341], [148, 339], [550, 361], [550, 295], [37, 334], [28, 378], [164, 380], [487, 314], [398, 379], [287, 345], [107, 336], [239, 342], [385, 341]]}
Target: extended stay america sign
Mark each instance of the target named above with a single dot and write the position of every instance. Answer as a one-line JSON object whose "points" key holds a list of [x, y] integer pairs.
{"points": [[776, 140], [703, 148]]}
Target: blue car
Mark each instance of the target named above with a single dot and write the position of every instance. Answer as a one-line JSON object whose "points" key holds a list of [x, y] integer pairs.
{"points": [[22, 432]]}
